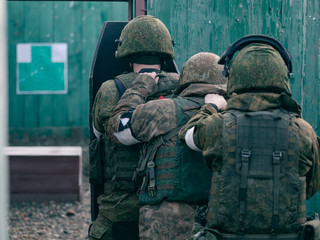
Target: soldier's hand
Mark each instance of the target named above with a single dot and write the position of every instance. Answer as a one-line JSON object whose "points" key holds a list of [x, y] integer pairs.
{"points": [[217, 100], [153, 75]]}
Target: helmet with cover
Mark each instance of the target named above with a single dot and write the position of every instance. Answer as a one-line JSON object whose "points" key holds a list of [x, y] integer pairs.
{"points": [[201, 68], [258, 67], [145, 36]]}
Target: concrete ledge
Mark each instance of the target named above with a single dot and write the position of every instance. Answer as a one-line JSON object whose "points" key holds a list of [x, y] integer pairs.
{"points": [[45, 173]]}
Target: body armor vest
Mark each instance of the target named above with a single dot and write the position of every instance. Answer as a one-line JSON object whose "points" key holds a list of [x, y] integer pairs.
{"points": [[120, 162], [259, 190], [171, 171]]}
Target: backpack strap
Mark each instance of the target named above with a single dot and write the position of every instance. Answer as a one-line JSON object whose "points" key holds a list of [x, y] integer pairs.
{"points": [[245, 158], [120, 86], [277, 157]]}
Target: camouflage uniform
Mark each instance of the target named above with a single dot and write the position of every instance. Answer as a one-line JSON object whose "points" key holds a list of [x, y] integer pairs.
{"points": [[119, 203], [165, 217], [253, 87], [127, 209]]}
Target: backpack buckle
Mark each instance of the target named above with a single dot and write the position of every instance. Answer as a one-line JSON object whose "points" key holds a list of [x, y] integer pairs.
{"points": [[152, 178], [245, 154], [276, 156]]}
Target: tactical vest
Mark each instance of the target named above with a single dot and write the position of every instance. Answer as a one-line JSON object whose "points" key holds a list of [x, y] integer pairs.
{"points": [[171, 171], [259, 190], [120, 162]]}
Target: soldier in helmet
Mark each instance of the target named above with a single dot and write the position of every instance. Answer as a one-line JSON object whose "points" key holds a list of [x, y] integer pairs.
{"points": [[175, 180], [146, 43], [263, 155]]}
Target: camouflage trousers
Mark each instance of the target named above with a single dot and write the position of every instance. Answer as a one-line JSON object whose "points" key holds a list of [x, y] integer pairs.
{"points": [[166, 220], [117, 207]]}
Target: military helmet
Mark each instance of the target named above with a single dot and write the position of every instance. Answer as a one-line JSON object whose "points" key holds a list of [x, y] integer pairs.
{"points": [[201, 68], [145, 35], [258, 67], [261, 63]]}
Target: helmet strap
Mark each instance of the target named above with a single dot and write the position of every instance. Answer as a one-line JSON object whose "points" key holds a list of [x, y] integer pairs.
{"points": [[225, 71]]}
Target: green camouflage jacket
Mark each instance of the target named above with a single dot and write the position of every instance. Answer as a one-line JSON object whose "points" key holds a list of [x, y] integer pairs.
{"points": [[207, 135]]}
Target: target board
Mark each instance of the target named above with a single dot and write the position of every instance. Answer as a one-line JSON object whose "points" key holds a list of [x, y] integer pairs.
{"points": [[42, 68]]}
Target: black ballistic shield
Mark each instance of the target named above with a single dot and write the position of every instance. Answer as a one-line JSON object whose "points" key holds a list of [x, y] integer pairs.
{"points": [[104, 66]]}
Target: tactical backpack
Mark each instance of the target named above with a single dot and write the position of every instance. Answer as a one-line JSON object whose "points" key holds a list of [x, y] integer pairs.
{"points": [[259, 190]]}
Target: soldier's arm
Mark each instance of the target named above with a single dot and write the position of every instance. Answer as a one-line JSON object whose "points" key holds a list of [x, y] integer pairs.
{"points": [[309, 164], [119, 128], [104, 103], [188, 131], [204, 133], [153, 118], [214, 104]]}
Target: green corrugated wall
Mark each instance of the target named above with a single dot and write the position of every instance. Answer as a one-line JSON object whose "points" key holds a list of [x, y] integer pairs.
{"points": [[211, 25], [76, 23]]}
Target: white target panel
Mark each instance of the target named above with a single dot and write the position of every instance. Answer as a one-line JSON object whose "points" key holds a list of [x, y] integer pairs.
{"points": [[42, 68]]}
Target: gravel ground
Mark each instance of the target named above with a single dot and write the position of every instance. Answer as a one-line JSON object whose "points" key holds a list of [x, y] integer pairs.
{"points": [[51, 220]]}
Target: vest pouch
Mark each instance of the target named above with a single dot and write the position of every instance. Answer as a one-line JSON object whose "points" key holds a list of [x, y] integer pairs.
{"points": [[96, 155], [119, 162]]}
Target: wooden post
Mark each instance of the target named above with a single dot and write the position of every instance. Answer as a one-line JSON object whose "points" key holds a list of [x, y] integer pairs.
{"points": [[3, 122], [130, 10], [140, 8]]}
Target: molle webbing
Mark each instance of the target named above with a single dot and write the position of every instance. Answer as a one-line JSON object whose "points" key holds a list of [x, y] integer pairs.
{"points": [[146, 165], [260, 191], [120, 161], [179, 175], [266, 135]]}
